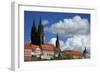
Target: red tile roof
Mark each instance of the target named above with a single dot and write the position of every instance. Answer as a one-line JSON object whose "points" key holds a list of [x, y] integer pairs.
{"points": [[47, 47], [73, 52], [30, 46], [34, 47]]}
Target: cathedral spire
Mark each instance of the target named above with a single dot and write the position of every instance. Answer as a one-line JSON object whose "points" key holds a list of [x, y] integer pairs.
{"points": [[40, 32], [33, 31], [37, 34], [40, 26], [57, 42]]}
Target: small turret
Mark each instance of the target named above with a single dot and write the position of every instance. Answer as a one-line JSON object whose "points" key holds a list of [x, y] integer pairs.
{"points": [[85, 52]]}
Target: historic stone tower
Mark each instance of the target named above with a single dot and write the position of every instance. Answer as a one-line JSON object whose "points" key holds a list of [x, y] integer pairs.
{"points": [[37, 33]]}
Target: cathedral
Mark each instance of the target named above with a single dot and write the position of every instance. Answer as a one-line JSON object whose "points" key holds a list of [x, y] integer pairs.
{"points": [[37, 34]]}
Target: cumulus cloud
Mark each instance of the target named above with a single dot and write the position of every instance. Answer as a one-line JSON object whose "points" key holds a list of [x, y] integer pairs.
{"points": [[73, 26], [52, 41], [78, 42], [44, 22]]}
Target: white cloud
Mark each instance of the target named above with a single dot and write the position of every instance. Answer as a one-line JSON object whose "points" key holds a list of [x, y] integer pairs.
{"points": [[78, 42], [77, 28], [44, 22], [76, 25], [52, 41]]}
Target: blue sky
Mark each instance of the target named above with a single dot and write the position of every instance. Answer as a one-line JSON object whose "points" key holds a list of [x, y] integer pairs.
{"points": [[53, 18]]}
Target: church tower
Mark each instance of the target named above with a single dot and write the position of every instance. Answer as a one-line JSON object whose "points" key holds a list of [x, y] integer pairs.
{"points": [[33, 33], [57, 42], [40, 33], [57, 50], [37, 34]]}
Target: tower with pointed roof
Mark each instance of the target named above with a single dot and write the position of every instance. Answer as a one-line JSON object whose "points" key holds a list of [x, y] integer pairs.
{"points": [[37, 34], [33, 33], [57, 42], [57, 47], [40, 33]]}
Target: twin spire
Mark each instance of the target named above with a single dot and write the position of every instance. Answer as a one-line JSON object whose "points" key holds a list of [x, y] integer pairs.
{"points": [[40, 23], [37, 34]]}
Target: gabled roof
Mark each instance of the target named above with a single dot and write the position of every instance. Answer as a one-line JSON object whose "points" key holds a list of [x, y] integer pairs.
{"points": [[30, 46], [34, 47], [44, 47], [47, 47], [73, 52]]}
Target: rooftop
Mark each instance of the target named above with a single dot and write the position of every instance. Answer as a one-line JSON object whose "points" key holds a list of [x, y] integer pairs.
{"points": [[73, 52], [46, 47]]}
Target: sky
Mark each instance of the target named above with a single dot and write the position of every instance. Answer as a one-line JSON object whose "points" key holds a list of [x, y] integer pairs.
{"points": [[71, 27]]}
